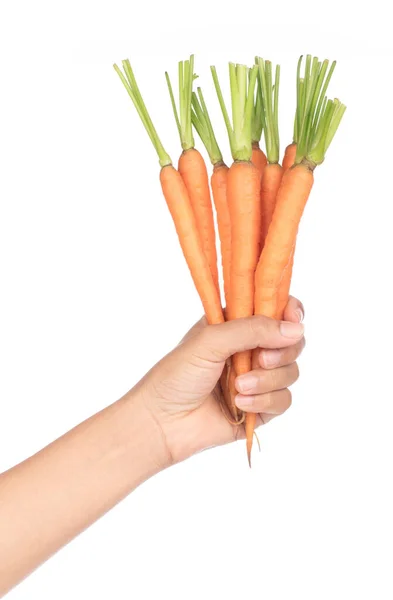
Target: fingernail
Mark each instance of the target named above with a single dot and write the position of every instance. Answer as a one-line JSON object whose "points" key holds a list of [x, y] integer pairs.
{"points": [[243, 401], [246, 382], [271, 358], [300, 314], [291, 330]]}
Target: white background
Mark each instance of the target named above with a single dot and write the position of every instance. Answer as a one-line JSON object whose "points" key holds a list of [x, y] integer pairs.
{"points": [[94, 290]]}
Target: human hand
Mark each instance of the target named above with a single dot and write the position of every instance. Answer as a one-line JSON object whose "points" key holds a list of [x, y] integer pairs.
{"points": [[182, 392]]}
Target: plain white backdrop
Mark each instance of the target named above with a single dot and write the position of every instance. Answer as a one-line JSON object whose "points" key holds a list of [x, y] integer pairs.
{"points": [[94, 290]]}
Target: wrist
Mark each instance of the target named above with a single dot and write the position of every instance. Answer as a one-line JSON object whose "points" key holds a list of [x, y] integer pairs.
{"points": [[145, 439]]}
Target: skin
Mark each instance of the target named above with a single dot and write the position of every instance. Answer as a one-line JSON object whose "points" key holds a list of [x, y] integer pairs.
{"points": [[171, 414]]}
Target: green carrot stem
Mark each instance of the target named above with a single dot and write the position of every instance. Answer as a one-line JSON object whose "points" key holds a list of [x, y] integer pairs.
{"points": [[202, 123], [183, 113], [242, 102], [130, 84], [270, 97], [257, 115]]}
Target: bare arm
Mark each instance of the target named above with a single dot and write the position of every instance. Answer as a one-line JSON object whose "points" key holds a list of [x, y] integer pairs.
{"points": [[51, 497]]}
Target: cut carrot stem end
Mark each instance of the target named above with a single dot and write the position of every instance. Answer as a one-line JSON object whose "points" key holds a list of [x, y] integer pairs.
{"points": [[317, 118]]}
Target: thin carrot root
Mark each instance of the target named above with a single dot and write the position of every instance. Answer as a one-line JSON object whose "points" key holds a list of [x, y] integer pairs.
{"points": [[251, 419], [258, 442]]}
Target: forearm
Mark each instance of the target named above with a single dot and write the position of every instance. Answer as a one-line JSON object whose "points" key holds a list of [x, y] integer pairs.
{"points": [[51, 497]]}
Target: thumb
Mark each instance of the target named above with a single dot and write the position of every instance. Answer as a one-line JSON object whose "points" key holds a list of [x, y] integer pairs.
{"points": [[216, 343]]}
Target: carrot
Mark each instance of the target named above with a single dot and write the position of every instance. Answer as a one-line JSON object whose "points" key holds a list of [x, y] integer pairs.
{"points": [[317, 126], [283, 288], [272, 173], [180, 207], [289, 156], [321, 85], [218, 181], [219, 178], [291, 200], [243, 199], [192, 166]]}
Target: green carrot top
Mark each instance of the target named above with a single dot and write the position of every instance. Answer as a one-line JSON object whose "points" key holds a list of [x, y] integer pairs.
{"points": [[269, 101], [132, 88], [183, 116], [242, 83], [202, 123], [257, 118], [317, 118]]}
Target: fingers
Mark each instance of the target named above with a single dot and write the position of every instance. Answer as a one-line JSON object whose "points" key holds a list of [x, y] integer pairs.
{"points": [[261, 381], [271, 359], [274, 403], [294, 310], [218, 342]]}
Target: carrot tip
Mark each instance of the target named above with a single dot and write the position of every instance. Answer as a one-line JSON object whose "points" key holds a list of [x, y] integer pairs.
{"points": [[249, 448]]}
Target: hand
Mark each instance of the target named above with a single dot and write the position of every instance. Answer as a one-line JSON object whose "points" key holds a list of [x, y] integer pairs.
{"points": [[182, 392]]}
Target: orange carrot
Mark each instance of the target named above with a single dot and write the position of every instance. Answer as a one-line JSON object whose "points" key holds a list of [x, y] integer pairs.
{"points": [[271, 180], [283, 289], [289, 156], [244, 208], [219, 181], [202, 123], [291, 200], [179, 204], [192, 166], [243, 193], [258, 157], [193, 170], [272, 173]]}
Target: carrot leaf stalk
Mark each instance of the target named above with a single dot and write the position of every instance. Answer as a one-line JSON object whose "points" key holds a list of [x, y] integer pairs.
{"points": [[202, 123], [242, 95], [129, 82], [270, 93], [257, 119], [183, 115]]}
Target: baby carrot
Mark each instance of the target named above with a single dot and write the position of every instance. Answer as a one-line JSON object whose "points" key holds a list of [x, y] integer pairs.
{"points": [[179, 204], [243, 199], [192, 166]]}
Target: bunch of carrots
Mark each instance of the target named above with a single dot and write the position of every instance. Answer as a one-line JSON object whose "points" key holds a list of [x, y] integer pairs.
{"points": [[258, 202]]}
